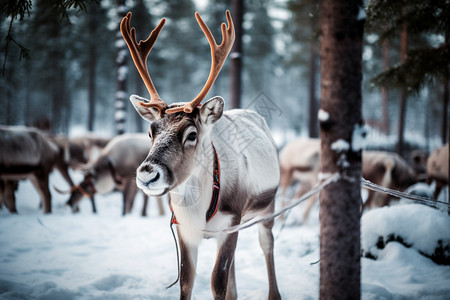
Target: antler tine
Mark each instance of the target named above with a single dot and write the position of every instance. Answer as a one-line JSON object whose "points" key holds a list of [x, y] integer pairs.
{"points": [[219, 54], [139, 53]]}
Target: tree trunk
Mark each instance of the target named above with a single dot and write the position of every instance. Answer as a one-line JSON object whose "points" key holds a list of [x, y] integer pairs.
{"points": [[403, 94], [445, 137], [384, 91], [313, 122], [236, 54], [122, 72], [92, 83], [341, 74]]}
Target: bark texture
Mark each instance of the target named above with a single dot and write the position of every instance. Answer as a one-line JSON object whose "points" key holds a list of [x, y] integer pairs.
{"points": [[341, 25]]}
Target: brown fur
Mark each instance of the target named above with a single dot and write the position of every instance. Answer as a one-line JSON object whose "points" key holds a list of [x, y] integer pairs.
{"points": [[300, 161], [438, 168], [27, 154]]}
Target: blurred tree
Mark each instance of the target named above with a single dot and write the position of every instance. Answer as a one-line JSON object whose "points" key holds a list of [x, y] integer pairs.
{"points": [[236, 55], [426, 27], [185, 52], [259, 47], [53, 59], [304, 30], [19, 9], [341, 26], [94, 60], [122, 72]]}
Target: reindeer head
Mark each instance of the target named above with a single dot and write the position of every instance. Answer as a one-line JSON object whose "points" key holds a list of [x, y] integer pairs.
{"points": [[177, 131]]}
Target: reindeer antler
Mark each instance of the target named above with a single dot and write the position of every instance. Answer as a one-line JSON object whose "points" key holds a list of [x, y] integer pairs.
{"points": [[219, 54], [139, 52]]}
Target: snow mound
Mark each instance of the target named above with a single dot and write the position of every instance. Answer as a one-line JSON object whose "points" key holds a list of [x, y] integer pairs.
{"points": [[420, 227]]}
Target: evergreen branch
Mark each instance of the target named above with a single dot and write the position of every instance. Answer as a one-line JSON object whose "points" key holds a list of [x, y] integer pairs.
{"points": [[63, 6], [14, 8], [24, 52], [421, 66]]}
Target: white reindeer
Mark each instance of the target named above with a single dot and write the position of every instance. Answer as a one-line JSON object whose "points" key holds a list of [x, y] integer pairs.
{"points": [[220, 168]]}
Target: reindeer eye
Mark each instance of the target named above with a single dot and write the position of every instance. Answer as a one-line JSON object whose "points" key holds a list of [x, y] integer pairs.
{"points": [[192, 136]]}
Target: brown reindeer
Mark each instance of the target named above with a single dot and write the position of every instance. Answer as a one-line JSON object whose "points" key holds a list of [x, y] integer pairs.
{"points": [[25, 153], [300, 161], [220, 168], [437, 168], [115, 170], [76, 153], [389, 170]]}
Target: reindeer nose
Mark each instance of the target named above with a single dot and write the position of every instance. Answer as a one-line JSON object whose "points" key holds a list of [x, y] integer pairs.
{"points": [[148, 175], [155, 177]]}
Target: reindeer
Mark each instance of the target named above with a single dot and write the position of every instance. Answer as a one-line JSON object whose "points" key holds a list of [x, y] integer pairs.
{"points": [[437, 168], [76, 153], [219, 168], [114, 169], [300, 160], [389, 170], [25, 153], [79, 151]]}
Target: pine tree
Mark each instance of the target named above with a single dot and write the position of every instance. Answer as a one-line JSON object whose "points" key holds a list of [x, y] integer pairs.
{"points": [[303, 27], [427, 27], [341, 69]]}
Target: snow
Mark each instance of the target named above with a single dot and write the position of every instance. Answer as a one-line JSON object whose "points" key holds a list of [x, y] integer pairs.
{"points": [[107, 256], [361, 14], [340, 146], [323, 115], [359, 140], [429, 227]]}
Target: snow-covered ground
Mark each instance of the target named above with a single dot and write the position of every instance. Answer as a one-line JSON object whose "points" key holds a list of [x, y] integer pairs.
{"points": [[107, 256]]}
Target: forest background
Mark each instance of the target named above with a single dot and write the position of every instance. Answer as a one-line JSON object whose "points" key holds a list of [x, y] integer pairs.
{"points": [[60, 70]]}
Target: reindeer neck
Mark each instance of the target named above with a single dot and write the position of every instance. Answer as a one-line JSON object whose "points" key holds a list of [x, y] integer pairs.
{"points": [[191, 200]]}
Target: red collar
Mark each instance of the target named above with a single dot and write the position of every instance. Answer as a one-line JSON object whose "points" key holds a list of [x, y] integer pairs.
{"points": [[212, 210]]}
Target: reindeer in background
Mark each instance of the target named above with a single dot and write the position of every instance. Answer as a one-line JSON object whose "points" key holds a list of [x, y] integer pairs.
{"points": [[214, 181], [115, 170], [28, 153], [300, 161], [438, 168], [25, 153]]}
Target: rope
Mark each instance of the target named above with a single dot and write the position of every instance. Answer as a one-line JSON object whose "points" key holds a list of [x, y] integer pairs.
{"points": [[178, 253], [329, 179], [372, 186], [318, 188]]}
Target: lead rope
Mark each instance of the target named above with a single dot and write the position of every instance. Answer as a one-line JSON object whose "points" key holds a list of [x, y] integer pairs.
{"points": [[178, 252]]}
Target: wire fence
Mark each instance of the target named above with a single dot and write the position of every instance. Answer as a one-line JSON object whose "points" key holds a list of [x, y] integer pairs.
{"points": [[321, 185]]}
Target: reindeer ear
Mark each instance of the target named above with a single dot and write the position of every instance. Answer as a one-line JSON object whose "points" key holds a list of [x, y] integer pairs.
{"points": [[212, 110], [149, 114]]}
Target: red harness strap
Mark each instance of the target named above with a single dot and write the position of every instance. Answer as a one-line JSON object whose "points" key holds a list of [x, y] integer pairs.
{"points": [[212, 210]]}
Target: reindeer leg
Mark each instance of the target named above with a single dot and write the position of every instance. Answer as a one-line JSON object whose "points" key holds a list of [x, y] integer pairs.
{"points": [[128, 196], [160, 206], [94, 209], [144, 207], [40, 182], [437, 190], [8, 196], [266, 242], [304, 188], [224, 260], [369, 200], [231, 287], [188, 265]]}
